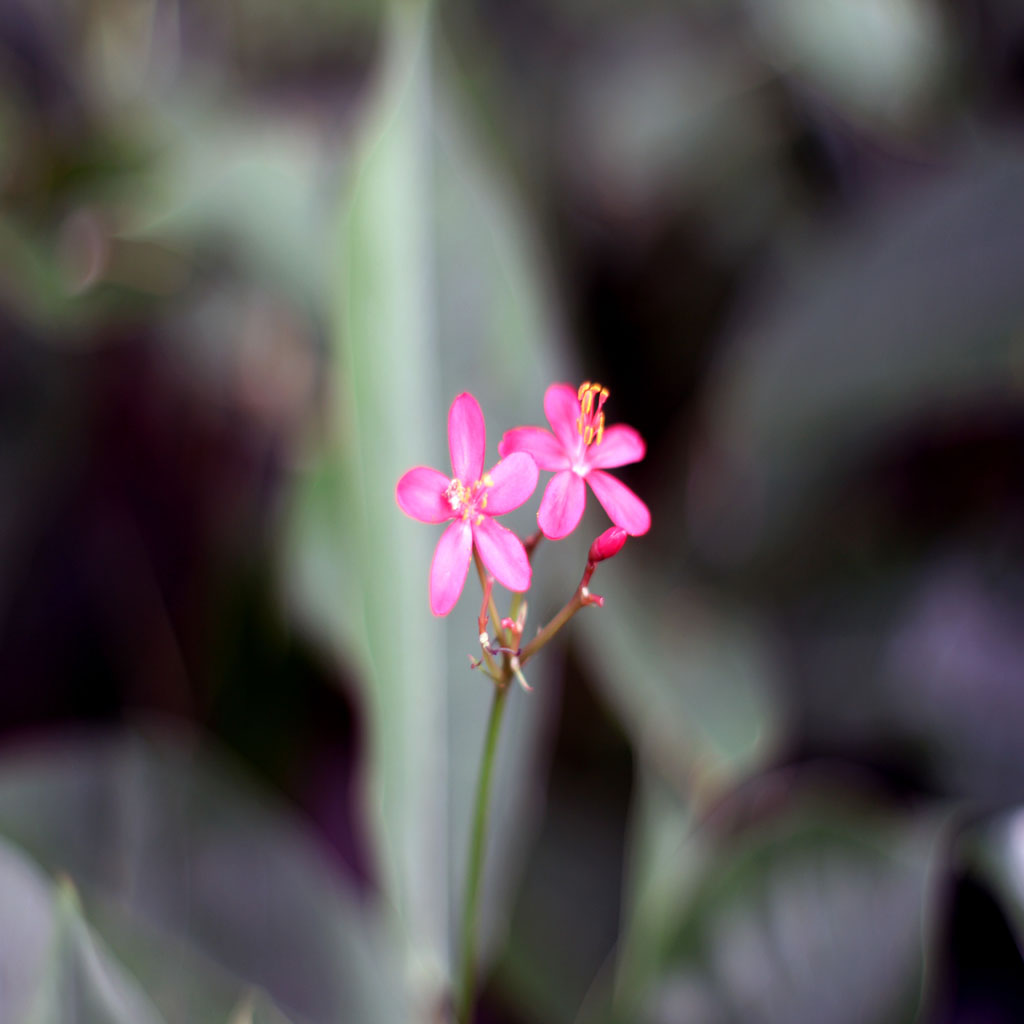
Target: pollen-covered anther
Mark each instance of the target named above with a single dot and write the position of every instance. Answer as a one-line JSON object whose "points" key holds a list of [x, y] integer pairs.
{"points": [[590, 423], [456, 494], [469, 502]]}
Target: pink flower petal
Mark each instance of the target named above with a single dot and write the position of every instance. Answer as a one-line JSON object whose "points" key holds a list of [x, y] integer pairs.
{"points": [[515, 479], [420, 494], [503, 554], [546, 449], [466, 438], [624, 508], [449, 567], [620, 445], [561, 508], [562, 409]]}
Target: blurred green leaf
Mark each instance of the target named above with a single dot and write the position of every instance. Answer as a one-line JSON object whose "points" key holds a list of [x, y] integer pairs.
{"points": [[184, 983], [692, 682], [695, 685], [880, 60], [202, 884], [916, 311], [54, 969], [663, 863], [255, 1009], [996, 851], [229, 176], [82, 983], [438, 293], [820, 916], [386, 382], [657, 111]]}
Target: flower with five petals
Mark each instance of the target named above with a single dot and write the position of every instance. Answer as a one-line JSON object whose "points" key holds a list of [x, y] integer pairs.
{"points": [[579, 451], [470, 498]]}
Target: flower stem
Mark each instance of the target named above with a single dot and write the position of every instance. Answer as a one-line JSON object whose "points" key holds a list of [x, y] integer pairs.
{"points": [[474, 866], [575, 603], [495, 617]]}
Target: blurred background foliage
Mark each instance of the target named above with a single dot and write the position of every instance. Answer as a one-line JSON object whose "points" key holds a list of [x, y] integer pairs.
{"points": [[249, 253]]}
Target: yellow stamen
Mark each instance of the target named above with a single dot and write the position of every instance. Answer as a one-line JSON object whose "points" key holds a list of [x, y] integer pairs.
{"points": [[590, 424], [487, 479]]}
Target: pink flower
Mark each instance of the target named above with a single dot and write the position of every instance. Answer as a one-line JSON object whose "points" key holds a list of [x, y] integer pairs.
{"points": [[580, 449], [472, 499]]}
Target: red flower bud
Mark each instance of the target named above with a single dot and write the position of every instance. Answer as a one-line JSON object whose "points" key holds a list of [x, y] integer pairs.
{"points": [[608, 544]]}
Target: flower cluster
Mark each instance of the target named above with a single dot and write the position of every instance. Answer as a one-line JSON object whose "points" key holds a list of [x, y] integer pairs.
{"points": [[578, 450]]}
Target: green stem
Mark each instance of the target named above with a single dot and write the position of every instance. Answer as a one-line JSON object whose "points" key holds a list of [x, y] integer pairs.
{"points": [[474, 868], [548, 632]]}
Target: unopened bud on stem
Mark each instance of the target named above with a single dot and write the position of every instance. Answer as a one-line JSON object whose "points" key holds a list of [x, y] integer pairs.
{"points": [[608, 544]]}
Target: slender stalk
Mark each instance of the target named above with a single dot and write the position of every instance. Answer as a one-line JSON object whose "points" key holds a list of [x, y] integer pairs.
{"points": [[530, 545], [495, 617], [576, 602], [474, 867], [492, 669]]}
